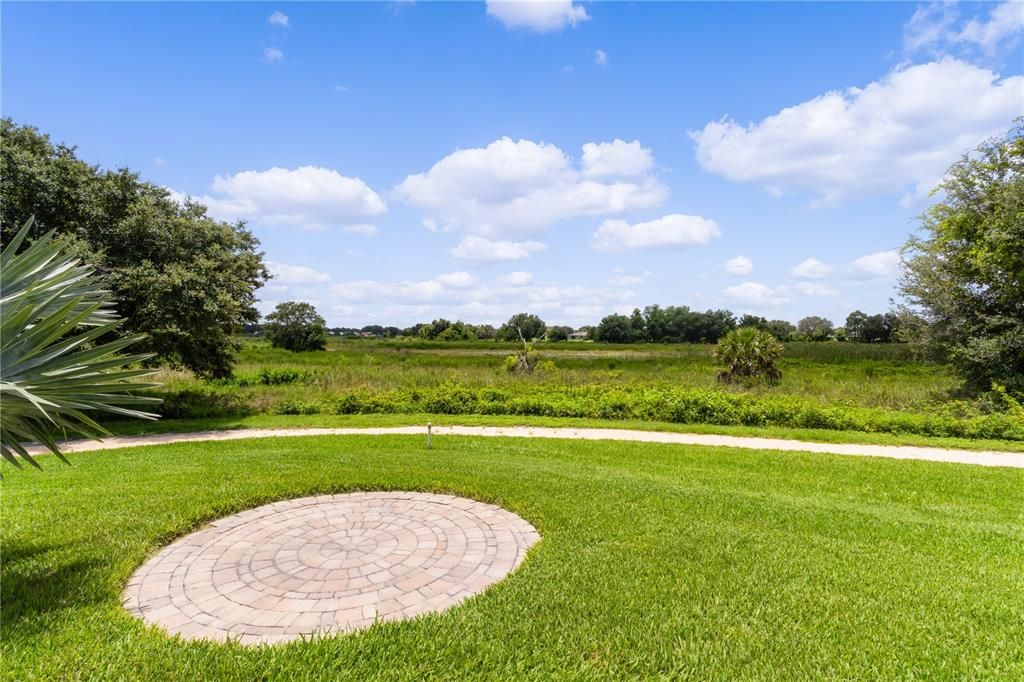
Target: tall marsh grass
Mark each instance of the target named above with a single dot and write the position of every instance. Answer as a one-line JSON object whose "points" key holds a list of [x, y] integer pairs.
{"points": [[824, 385]]}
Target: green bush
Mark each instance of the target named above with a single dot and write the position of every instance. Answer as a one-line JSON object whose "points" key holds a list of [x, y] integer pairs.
{"points": [[597, 401], [296, 327], [203, 403], [749, 355]]}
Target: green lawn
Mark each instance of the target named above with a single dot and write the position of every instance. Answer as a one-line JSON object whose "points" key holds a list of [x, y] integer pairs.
{"points": [[656, 560]]}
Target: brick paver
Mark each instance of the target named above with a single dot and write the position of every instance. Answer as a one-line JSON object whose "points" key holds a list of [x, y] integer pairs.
{"points": [[325, 564]]}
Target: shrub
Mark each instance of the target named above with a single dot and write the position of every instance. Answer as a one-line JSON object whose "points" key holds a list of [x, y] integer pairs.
{"points": [[203, 403], [749, 355], [964, 270], [296, 327], [683, 405]]}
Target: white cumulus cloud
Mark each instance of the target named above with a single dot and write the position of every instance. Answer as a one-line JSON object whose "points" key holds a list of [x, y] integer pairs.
{"points": [[537, 15], [871, 266], [519, 278], [308, 196], [756, 294], [878, 264], [478, 249], [272, 54], [278, 19], [600, 57], [674, 229], [513, 186], [812, 268], [457, 280], [295, 274], [374, 291], [616, 158], [740, 265], [898, 132]]}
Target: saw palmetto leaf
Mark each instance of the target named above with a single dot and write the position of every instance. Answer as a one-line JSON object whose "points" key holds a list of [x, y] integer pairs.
{"points": [[56, 368]]}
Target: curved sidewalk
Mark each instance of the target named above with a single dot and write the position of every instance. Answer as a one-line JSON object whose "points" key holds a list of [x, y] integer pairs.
{"points": [[979, 457]]}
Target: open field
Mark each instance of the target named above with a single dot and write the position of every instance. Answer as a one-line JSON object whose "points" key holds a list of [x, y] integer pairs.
{"points": [[825, 386], [702, 563]]}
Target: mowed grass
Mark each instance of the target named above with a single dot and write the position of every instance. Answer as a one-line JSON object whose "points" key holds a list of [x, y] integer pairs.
{"points": [[656, 561]]}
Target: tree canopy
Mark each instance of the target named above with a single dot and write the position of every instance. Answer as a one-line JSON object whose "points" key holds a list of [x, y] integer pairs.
{"points": [[815, 328], [531, 326], [185, 280], [296, 327], [672, 324], [964, 271], [881, 328]]}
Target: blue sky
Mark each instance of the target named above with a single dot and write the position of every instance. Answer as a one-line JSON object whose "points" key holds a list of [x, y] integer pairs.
{"points": [[405, 161]]}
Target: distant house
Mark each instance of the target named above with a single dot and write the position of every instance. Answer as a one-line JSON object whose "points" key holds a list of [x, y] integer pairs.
{"points": [[580, 334]]}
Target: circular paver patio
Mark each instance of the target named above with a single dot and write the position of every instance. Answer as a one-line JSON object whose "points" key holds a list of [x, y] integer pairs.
{"points": [[331, 563]]}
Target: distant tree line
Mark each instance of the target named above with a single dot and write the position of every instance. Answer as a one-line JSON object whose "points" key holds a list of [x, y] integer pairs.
{"points": [[679, 324], [652, 324]]}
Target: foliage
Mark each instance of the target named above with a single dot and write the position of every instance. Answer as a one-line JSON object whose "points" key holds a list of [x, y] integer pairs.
{"points": [[545, 394], [864, 328], [185, 280], [524, 361], [676, 405], [965, 271], [559, 333], [673, 324], [782, 330], [444, 330], [296, 327], [852, 386], [522, 325], [814, 328], [271, 376], [755, 321], [486, 332], [750, 355], [54, 363], [520, 363], [617, 329]]}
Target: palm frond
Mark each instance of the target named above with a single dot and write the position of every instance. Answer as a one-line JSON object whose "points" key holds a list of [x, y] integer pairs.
{"points": [[55, 366]]}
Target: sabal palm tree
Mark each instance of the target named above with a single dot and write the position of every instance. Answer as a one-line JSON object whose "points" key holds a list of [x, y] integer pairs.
{"points": [[55, 367], [749, 355]]}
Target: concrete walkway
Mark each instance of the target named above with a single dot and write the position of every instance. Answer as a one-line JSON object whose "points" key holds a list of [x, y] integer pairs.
{"points": [[979, 457]]}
